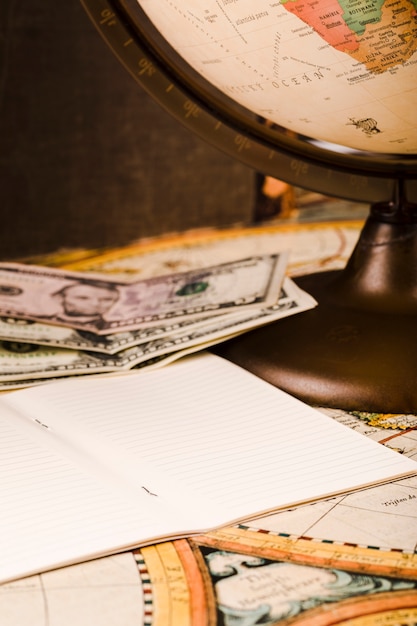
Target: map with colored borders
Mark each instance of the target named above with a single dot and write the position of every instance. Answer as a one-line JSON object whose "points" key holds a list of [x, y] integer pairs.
{"points": [[364, 30]]}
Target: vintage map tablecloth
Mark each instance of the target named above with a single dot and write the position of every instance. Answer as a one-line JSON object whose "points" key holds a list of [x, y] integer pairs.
{"points": [[349, 560]]}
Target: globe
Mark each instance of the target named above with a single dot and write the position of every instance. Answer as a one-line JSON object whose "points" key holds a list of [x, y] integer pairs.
{"points": [[321, 94], [337, 72]]}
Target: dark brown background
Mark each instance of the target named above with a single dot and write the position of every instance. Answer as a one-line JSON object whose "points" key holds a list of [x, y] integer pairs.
{"points": [[87, 159]]}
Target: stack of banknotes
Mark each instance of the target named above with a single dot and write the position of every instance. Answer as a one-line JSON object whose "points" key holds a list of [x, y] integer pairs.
{"points": [[56, 323]]}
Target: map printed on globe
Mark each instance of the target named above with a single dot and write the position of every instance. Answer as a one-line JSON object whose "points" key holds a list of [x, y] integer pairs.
{"points": [[340, 72]]}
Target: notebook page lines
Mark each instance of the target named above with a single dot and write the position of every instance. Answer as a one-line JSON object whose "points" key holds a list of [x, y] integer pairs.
{"points": [[52, 511], [227, 435]]}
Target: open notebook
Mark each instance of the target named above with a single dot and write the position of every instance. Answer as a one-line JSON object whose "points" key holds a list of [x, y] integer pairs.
{"points": [[92, 466]]}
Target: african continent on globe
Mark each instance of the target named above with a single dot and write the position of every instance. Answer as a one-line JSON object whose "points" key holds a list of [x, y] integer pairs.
{"points": [[336, 71]]}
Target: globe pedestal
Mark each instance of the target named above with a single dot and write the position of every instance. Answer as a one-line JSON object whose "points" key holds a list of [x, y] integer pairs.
{"points": [[357, 350]]}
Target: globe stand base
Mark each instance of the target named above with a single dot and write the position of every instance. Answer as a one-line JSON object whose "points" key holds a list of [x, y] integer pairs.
{"points": [[357, 350]]}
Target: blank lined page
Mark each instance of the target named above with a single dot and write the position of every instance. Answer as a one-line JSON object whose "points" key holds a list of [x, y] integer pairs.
{"points": [[56, 509], [221, 433]]}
